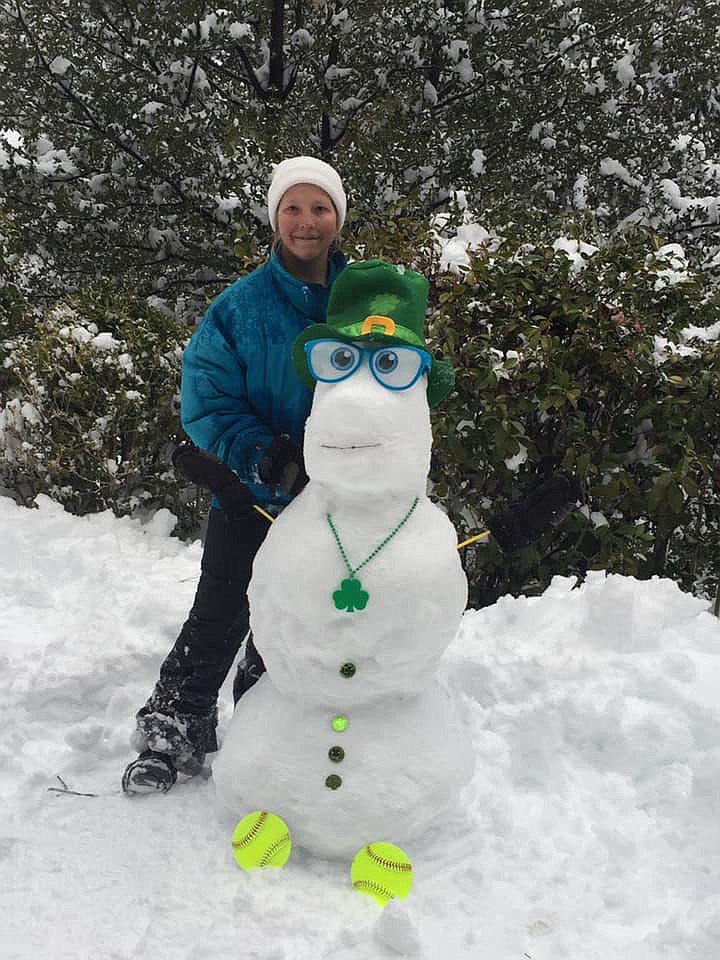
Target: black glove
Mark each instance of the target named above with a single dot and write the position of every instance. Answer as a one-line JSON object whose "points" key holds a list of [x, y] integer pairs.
{"points": [[282, 465], [207, 471], [545, 506]]}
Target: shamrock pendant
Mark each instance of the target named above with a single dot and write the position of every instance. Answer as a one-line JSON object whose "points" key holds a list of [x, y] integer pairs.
{"points": [[351, 596]]}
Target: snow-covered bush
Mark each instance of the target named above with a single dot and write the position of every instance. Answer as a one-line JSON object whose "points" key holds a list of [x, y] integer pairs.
{"points": [[89, 400], [601, 358], [601, 361], [138, 138]]}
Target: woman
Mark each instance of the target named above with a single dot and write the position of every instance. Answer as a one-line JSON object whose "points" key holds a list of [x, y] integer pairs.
{"points": [[242, 402]]}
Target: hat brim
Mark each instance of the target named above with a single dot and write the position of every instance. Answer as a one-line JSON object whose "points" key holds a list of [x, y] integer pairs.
{"points": [[441, 376]]}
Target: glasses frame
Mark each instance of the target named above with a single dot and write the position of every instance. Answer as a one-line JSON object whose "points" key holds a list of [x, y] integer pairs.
{"points": [[424, 367]]}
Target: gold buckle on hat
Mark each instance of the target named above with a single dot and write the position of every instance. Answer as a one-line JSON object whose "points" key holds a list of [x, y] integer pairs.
{"points": [[387, 324]]}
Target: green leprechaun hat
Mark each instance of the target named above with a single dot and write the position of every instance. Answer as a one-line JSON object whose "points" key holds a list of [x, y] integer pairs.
{"points": [[374, 301]]}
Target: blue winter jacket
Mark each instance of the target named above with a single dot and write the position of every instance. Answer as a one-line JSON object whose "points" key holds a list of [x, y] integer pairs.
{"points": [[239, 387]]}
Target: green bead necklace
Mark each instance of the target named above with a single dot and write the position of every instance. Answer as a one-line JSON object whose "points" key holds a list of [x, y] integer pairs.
{"points": [[351, 596]]}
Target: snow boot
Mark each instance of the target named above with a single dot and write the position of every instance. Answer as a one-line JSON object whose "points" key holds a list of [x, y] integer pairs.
{"points": [[151, 772], [176, 728]]}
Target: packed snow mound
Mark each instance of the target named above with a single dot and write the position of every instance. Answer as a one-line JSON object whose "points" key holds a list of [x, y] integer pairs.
{"points": [[614, 678], [589, 829]]}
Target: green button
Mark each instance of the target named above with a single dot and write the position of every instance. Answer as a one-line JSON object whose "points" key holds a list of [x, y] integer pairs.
{"points": [[333, 781], [339, 724], [336, 754], [348, 669]]}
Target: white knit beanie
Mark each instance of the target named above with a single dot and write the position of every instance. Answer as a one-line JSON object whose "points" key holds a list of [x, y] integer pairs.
{"points": [[296, 170]]}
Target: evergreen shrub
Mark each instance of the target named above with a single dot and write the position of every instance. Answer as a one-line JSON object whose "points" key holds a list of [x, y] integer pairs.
{"points": [[89, 405], [604, 363]]}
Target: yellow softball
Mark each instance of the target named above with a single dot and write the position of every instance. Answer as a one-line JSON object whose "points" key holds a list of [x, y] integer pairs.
{"points": [[383, 871], [261, 839]]}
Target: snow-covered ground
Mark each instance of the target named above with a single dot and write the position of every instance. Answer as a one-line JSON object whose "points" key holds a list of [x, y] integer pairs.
{"points": [[590, 830]]}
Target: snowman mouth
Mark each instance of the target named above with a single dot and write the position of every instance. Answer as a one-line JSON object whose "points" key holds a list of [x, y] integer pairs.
{"points": [[349, 446]]}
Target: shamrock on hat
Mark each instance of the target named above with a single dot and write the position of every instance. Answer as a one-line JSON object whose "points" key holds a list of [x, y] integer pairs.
{"points": [[374, 303]]}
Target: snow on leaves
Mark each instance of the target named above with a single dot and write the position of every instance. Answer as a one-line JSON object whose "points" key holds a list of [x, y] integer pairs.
{"points": [[513, 105]]}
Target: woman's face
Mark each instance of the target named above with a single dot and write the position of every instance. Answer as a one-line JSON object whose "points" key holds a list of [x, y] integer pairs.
{"points": [[306, 224]]}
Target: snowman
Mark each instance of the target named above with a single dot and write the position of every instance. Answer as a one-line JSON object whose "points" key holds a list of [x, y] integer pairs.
{"points": [[356, 593]]}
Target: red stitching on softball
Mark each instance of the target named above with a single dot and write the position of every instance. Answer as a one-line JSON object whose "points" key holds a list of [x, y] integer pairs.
{"points": [[273, 849], [252, 833], [374, 887], [388, 864]]}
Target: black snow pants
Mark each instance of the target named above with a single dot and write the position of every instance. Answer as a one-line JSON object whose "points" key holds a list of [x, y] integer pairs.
{"points": [[180, 716]]}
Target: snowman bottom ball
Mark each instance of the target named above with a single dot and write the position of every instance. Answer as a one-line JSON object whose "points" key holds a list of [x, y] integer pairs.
{"points": [[393, 770]]}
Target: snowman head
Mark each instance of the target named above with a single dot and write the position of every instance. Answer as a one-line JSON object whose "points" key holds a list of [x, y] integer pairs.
{"points": [[368, 434]]}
